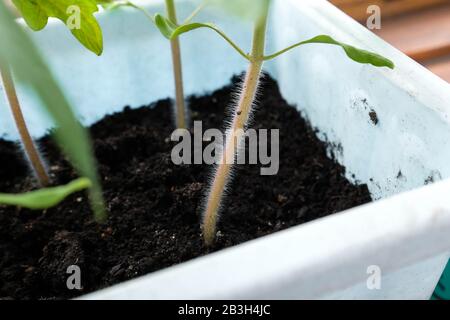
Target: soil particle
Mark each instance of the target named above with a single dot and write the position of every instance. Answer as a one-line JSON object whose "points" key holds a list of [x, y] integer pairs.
{"points": [[155, 206], [374, 117]]}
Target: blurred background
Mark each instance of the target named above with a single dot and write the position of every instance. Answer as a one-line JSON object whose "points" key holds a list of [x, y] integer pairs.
{"points": [[419, 28]]}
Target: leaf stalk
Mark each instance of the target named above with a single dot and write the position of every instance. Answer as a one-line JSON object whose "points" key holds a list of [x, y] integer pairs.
{"points": [[31, 152]]}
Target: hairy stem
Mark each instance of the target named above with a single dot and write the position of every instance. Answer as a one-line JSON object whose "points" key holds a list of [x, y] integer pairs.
{"points": [[27, 141], [235, 133], [177, 69]]}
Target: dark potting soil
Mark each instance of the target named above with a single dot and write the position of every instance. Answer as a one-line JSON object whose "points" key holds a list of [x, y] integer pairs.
{"points": [[155, 206]]}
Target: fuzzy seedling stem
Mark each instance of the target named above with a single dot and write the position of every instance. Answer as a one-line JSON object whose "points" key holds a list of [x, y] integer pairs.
{"points": [[177, 70], [28, 144], [235, 133]]}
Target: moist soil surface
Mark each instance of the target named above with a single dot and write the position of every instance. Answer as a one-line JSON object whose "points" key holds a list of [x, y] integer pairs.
{"points": [[155, 206]]}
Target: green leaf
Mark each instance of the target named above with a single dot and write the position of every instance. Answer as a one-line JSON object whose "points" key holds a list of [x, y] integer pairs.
{"points": [[19, 52], [44, 198], [32, 13], [171, 31], [77, 15], [358, 55]]}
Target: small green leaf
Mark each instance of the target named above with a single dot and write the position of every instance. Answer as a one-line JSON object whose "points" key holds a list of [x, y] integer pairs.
{"points": [[358, 55], [77, 15], [165, 26], [45, 198]]}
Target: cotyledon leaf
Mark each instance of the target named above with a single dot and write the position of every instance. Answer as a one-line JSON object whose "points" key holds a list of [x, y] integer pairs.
{"points": [[358, 55], [44, 198]]}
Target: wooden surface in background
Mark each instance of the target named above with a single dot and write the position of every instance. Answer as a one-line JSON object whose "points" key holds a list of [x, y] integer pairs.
{"points": [[422, 35], [440, 67], [358, 8], [419, 28]]}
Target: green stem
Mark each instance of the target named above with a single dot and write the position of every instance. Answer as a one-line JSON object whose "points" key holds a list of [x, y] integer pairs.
{"points": [[28, 144], [177, 69], [236, 132], [279, 53]]}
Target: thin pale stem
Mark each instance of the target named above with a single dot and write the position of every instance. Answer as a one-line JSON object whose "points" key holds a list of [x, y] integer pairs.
{"points": [[177, 69], [132, 5], [234, 137], [196, 12], [27, 141]]}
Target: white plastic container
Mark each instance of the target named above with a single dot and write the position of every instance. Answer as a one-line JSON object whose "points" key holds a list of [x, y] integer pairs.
{"points": [[404, 237]]}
